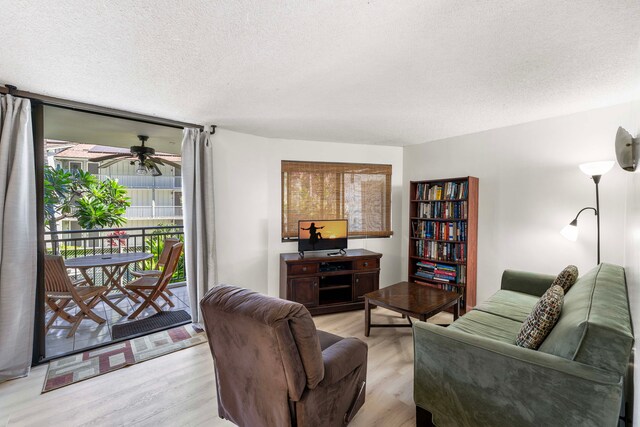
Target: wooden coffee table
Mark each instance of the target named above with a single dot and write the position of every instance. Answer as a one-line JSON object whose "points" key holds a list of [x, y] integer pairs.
{"points": [[412, 300]]}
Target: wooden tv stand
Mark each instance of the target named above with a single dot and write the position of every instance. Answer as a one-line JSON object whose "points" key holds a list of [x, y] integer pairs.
{"points": [[329, 284]]}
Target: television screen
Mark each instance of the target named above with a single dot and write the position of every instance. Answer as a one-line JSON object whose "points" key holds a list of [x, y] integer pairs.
{"points": [[319, 235]]}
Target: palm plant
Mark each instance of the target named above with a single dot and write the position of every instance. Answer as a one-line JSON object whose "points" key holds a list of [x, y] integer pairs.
{"points": [[81, 195]]}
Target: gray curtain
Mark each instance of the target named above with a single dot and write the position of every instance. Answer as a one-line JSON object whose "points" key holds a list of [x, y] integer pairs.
{"points": [[199, 236], [18, 237]]}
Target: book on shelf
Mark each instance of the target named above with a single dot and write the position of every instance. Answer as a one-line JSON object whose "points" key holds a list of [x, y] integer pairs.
{"points": [[442, 210], [441, 251], [438, 230], [440, 191]]}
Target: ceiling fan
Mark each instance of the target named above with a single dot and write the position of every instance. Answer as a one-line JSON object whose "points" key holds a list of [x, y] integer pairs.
{"points": [[140, 154]]}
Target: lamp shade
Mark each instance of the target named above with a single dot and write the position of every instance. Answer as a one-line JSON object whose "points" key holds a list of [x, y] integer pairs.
{"points": [[570, 231], [597, 168]]}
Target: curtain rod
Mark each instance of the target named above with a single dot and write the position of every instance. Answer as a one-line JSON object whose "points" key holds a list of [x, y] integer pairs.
{"points": [[96, 109]]}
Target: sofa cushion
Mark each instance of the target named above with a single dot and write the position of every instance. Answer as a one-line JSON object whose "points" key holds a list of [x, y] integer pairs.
{"points": [[595, 325], [566, 278], [526, 282], [542, 318], [487, 325], [510, 304]]}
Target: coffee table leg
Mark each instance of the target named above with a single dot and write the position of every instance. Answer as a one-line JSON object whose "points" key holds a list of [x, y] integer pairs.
{"points": [[367, 317], [456, 310]]}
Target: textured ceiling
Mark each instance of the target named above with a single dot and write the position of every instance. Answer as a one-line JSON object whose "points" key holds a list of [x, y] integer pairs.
{"points": [[380, 72]]}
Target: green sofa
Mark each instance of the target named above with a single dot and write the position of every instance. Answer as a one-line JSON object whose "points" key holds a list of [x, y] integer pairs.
{"points": [[472, 373]]}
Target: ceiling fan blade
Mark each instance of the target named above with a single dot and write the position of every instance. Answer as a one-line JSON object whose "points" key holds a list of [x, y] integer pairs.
{"points": [[152, 167], [165, 162], [110, 156], [155, 171], [107, 164]]}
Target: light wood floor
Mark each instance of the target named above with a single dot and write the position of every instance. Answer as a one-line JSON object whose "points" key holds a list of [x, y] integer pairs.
{"points": [[178, 389]]}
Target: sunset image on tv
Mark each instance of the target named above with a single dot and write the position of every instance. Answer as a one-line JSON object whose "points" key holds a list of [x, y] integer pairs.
{"points": [[322, 235]]}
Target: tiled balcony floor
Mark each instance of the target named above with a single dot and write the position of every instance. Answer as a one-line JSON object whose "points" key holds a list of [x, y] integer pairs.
{"points": [[90, 333]]}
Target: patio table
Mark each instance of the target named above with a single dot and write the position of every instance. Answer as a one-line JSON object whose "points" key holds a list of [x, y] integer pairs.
{"points": [[114, 266]]}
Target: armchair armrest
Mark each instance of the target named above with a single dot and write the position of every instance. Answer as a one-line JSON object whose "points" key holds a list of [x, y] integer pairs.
{"points": [[342, 358], [469, 380], [528, 283]]}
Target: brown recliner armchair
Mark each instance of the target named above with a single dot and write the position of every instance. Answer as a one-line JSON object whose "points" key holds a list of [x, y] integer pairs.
{"points": [[274, 369]]}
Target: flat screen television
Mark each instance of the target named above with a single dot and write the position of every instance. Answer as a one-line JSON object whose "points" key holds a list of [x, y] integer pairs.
{"points": [[322, 235]]}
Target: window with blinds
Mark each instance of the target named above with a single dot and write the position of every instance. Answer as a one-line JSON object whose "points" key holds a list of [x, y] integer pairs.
{"points": [[360, 193]]}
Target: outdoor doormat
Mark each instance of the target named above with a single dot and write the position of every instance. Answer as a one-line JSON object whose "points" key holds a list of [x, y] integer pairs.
{"points": [[157, 322], [73, 369]]}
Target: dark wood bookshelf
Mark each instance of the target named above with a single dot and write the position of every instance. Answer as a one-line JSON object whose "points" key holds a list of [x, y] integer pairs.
{"points": [[431, 236], [439, 200], [439, 219], [435, 282], [438, 240], [437, 260]]}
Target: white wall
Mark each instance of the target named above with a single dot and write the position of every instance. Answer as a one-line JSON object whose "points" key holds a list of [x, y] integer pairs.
{"points": [[531, 187], [248, 197], [632, 270], [632, 256]]}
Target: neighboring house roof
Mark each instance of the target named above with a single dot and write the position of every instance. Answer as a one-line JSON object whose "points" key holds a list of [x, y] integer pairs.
{"points": [[92, 151]]}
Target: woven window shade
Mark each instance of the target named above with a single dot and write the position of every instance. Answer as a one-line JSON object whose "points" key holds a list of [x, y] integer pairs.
{"points": [[360, 193]]}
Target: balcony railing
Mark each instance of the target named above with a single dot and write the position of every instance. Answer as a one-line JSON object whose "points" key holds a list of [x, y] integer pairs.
{"points": [[147, 181], [146, 212], [78, 243], [152, 212]]}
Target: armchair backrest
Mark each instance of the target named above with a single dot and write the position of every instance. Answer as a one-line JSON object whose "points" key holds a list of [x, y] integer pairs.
{"points": [[266, 352]]}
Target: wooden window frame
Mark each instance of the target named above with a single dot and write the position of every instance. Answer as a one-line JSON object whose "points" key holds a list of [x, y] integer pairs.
{"points": [[342, 170]]}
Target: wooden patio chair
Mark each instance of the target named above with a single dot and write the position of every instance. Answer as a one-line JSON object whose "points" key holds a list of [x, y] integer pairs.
{"points": [[152, 288], [60, 291], [162, 261]]}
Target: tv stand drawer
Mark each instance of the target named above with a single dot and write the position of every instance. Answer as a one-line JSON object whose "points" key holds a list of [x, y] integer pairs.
{"points": [[367, 264], [303, 268]]}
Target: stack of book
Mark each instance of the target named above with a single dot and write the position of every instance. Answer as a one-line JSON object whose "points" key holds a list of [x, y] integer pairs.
{"points": [[436, 271]]}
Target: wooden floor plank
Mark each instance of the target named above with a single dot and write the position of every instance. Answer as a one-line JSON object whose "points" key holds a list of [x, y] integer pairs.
{"points": [[179, 388]]}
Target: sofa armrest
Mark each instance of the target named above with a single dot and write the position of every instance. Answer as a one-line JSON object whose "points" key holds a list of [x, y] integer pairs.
{"points": [[342, 358], [468, 380], [526, 282]]}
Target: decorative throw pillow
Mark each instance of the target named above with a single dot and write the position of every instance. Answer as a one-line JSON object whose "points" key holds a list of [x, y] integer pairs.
{"points": [[566, 278], [542, 318]]}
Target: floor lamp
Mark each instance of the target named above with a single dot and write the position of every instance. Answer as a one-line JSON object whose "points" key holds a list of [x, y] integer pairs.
{"points": [[595, 170]]}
